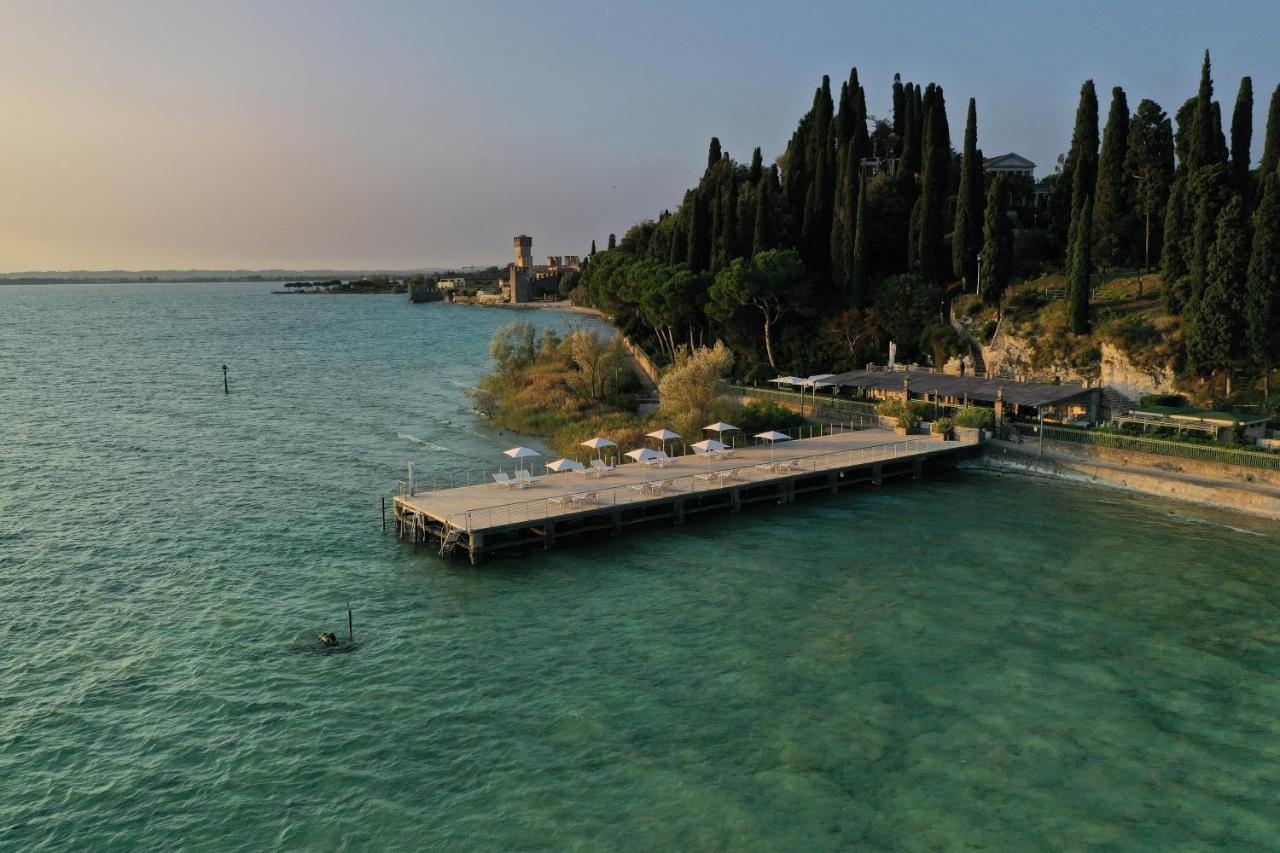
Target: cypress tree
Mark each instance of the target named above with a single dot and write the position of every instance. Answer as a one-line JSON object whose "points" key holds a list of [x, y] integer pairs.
{"points": [[717, 234], [1270, 161], [1080, 171], [760, 234], [1220, 152], [842, 225], [1242, 137], [1173, 264], [730, 214], [966, 236], [1078, 277], [911, 140], [859, 266], [900, 114], [1149, 165], [593, 248], [997, 243], [613, 242], [713, 152], [1201, 147], [1262, 281], [1185, 118], [934, 183], [815, 231], [1109, 205], [679, 248], [796, 178], [1208, 192], [1215, 333], [757, 167], [699, 244]]}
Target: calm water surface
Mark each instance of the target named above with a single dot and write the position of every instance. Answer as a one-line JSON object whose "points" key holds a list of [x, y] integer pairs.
{"points": [[968, 661]]}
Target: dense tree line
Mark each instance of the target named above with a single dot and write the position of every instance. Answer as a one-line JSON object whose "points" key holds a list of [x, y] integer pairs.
{"points": [[863, 229]]}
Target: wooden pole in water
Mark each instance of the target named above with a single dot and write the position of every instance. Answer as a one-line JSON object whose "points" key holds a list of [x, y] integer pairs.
{"points": [[350, 631], [384, 513], [225, 388]]}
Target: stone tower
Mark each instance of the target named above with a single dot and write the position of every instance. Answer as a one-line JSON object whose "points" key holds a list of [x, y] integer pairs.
{"points": [[524, 252]]}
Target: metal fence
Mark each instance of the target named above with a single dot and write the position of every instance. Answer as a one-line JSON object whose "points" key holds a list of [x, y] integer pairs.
{"points": [[1162, 447], [535, 509], [818, 404]]}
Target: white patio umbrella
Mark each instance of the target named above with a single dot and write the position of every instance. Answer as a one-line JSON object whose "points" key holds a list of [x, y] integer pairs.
{"points": [[566, 465], [519, 453], [598, 443], [708, 446], [663, 435], [644, 455], [720, 428], [772, 436]]}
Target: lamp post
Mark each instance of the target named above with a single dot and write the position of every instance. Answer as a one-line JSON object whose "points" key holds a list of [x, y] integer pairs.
{"points": [[979, 275]]}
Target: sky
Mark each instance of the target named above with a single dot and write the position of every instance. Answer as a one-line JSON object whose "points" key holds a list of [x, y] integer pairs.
{"points": [[282, 134]]}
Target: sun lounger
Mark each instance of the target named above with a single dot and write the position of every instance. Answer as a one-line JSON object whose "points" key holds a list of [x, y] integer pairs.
{"points": [[663, 459], [525, 478], [584, 498], [599, 466], [502, 478]]}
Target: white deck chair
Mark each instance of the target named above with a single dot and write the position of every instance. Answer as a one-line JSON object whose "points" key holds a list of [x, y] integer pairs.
{"points": [[600, 467], [502, 478]]}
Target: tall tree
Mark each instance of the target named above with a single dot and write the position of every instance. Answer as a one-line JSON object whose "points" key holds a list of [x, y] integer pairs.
{"points": [[761, 235], [1110, 199], [1215, 333], [1262, 283], [842, 224], [1242, 137], [966, 236], [1208, 192], [934, 185], [699, 259], [1149, 165], [593, 247], [1080, 170], [911, 139], [1221, 154], [713, 152], [1271, 145], [772, 284], [815, 230], [997, 244], [613, 241], [1079, 272], [1202, 147], [859, 272], [900, 114], [1173, 259], [757, 167]]}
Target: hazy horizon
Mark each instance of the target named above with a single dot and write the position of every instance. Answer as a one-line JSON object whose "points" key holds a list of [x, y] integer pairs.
{"points": [[297, 136]]}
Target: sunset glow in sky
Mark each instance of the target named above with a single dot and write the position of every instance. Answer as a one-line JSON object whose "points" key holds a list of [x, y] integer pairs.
{"points": [[398, 135]]}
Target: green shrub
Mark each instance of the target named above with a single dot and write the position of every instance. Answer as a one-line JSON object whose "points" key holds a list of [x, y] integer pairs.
{"points": [[943, 426], [765, 415], [975, 416], [1172, 401]]}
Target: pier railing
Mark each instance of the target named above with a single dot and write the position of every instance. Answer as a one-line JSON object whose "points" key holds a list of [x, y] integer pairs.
{"points": [[861, 412], [435, 481], [1162, 447], [550, 507]]}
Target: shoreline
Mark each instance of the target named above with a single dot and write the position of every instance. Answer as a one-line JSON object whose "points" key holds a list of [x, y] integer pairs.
{"points": [[1252, 500]]}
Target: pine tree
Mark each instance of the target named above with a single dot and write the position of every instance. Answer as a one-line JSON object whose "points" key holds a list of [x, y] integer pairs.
{"points": [[1215, 333], [997, 244], [1149, 165], [1078, 272], [757, 167], [1177, 232], [1201, 150], [1242, 137], [859, 274], [966, 236], [1262, 281], [713, 152], [1270, 161], [1080, 171], [1110, 200]]}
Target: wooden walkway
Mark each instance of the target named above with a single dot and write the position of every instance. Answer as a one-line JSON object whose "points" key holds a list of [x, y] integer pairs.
{"points": [[484, 518]]}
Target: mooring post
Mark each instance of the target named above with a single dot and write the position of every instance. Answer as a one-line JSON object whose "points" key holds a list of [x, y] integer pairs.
{"points": [[678, 509], [351, 634], [877, 473], [384, 513], [548, 535], [834, 479], [735, 500], [226, 389]]}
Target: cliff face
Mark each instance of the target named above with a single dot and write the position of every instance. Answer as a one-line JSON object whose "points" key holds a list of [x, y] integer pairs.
{"points": [[1012, 355]]}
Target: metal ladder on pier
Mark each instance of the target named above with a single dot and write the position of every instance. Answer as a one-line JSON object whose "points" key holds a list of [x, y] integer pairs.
{"points": [[449, 539]]}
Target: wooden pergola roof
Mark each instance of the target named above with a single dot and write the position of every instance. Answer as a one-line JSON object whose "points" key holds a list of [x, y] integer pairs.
{"points": [[982, 390]]}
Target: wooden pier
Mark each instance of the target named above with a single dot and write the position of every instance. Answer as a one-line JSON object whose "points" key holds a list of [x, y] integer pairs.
{"points": [[480, 519]]}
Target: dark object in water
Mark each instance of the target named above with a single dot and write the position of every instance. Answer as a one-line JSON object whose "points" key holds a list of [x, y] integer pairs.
{"points": [[329, 640]]}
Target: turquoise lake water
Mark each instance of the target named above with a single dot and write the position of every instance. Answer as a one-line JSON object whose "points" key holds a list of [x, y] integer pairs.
{"points": [[971, 660]]}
